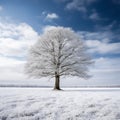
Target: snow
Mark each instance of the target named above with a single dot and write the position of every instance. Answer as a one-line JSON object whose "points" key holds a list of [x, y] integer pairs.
{"points": [[70, 104]]}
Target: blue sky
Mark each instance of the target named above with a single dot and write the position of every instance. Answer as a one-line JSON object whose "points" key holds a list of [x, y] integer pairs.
{"points": [[85, 15], [97, 22]]}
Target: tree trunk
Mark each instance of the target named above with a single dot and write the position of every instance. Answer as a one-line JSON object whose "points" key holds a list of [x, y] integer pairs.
{"points": [[57, 82]]}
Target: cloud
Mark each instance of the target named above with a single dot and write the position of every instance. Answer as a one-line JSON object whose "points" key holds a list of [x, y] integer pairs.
{"points": [[76, 5], [80, 5], [94, 16], [15, 39], [105, 71], [100, 42], [104, 64], [7, 61], [11, 68], [108, 27], [51, 16], [48, 28], [103, 47], [1, 8], [100, 35]]}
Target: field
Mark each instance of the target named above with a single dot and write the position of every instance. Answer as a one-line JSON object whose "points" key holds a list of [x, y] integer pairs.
{"points": [[70, 104]]}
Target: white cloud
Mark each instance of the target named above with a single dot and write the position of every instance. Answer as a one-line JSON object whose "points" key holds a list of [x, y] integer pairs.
{"points": [[47, 28], [104, 64], [16, 39], [51, 16], [80, 5], [107, 27], [7, 61], [11, 69], [44, 13], [103, 47], [1, 8], [96, 35], [94, 16], [100, 42], [75, 6], [105, 71]]}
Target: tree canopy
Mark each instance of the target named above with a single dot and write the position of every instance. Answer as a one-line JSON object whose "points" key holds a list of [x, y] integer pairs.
{"points": [[58, 52]]}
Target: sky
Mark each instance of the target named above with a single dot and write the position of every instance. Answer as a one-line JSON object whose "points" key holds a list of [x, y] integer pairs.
{"points": [[97, 22]]}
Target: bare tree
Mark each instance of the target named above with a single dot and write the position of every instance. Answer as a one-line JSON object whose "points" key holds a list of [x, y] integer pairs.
{"points": [[58, 52]]}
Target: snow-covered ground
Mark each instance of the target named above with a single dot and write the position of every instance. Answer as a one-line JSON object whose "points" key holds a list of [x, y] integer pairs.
{"points": [[70, 104]]}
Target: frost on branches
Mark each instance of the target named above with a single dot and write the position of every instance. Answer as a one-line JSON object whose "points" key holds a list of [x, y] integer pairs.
{"points": [[58, 52]]}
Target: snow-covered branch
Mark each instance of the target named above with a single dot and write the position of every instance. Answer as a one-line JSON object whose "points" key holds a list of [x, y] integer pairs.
{"points": [[59, 51]]}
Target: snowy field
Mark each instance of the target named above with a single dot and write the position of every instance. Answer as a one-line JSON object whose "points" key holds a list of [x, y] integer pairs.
{"points": [[70, 104]]}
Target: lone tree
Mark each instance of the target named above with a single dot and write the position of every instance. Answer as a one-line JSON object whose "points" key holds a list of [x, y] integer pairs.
{"points": [[58, 52]]}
